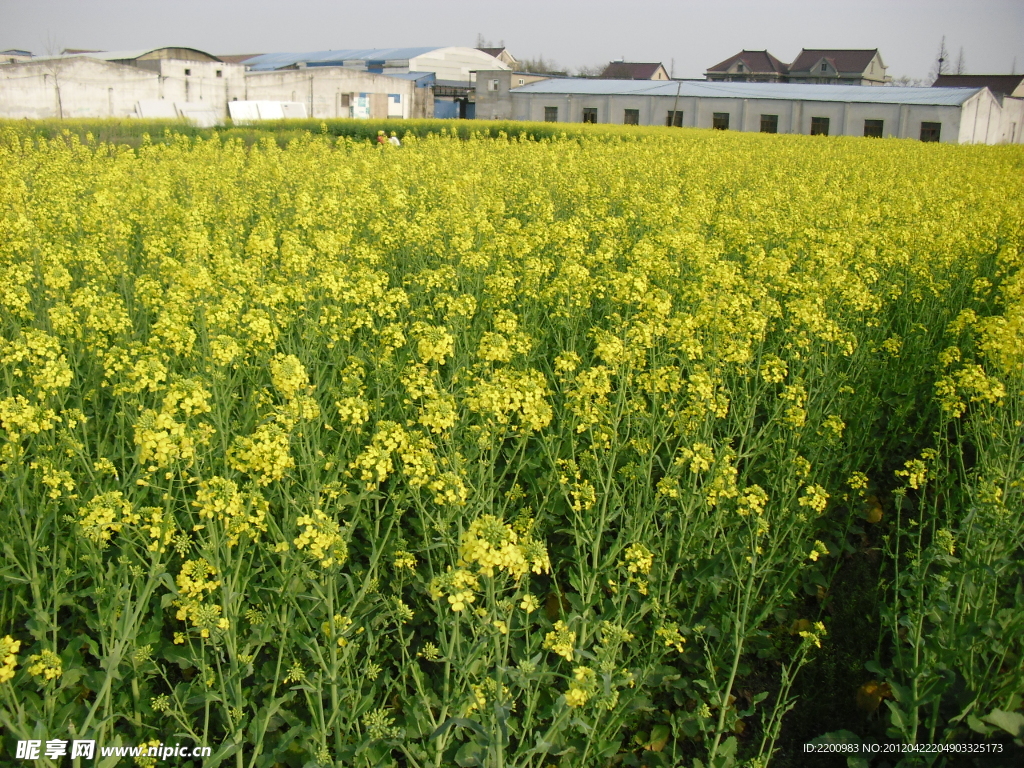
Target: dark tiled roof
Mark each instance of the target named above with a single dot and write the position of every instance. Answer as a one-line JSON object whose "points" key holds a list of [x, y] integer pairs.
{"points": [[842, 60], [495, 52], [630, 70], [1005, 84], [755, 61]]}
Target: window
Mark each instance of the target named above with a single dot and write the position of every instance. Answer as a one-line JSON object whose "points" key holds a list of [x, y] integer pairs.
{"points": [[188, 72], [739, 67], [522, 81], [824, 67], [819, 126], [220, 73], [631, 117], [930, 131], [492, 86], [675, 118], [550, 114], [873, 128], [720, 121], [769, 123], [590, 114]]}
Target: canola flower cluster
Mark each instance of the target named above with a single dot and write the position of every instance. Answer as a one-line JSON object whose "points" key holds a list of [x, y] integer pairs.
{"points": [[326, 375]]}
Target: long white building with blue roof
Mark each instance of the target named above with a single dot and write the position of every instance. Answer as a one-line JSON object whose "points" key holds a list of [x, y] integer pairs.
{"points": [[949, 115]]}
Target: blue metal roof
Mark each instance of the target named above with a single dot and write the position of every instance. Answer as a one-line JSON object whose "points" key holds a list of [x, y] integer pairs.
{"points": [[422, 79], [268, 61], [799, 91]]}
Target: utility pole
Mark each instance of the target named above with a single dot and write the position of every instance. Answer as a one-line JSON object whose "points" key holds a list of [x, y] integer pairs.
{"points": [[675, 105]]}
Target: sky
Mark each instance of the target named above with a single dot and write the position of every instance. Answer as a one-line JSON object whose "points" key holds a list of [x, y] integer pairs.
{"points": [[685, 34]]}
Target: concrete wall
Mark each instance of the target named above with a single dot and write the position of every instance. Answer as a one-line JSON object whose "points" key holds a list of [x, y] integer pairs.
{"points": [[76, 87], [494, 92], [980, 120], [331, 92], [96, 89]]}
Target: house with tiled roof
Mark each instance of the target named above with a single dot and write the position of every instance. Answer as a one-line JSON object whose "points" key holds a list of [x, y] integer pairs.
{"points": [[748, 67], [827, 66], [1000, 85], [502, 55], [635, 70]]}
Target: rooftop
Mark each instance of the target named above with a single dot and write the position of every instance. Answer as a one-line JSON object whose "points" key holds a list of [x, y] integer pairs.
{"points": [[800, 91], [843, 59], [756, 61], [281, 60]]}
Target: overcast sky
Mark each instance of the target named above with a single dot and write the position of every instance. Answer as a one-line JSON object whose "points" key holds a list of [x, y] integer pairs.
{"points": [[695, 34]]}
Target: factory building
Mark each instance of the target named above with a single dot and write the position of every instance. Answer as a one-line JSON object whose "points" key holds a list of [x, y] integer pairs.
{"points": [[949, 115], [449, 73], [185, 82]]}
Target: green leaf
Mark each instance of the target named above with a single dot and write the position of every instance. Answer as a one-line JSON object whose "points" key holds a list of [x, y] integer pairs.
{"points": [[977, 726], [470, 755], [1011, 722]]}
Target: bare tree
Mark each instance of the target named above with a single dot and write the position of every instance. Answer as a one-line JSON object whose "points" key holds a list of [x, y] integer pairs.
{"points": [[905, 81], [961, 62], [941, 61], [54, 66], [541, 66], [589, 70]]}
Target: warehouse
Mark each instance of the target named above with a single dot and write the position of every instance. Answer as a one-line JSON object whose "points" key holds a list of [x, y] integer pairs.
{"points": [[949, 115]]}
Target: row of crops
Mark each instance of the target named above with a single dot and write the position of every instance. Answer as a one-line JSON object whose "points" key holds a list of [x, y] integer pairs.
{"points": [[630, 447]]}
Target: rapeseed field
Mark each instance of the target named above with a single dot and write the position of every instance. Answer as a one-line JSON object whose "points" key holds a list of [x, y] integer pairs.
{"points": [[499, 452]]}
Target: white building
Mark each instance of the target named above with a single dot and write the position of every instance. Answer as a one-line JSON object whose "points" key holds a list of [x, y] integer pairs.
{"points": [[949, 115], [451, 65], [184, 82]]}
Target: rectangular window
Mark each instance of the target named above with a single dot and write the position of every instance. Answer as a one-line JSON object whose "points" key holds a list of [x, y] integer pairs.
{"points": [[522, 81], [769, 123], [550, 114], [675, 117], [819, 126], [590, 114], [824, 67], [874, 128], [720, 121], [631, 117], [492, 86], [220, 73], [188, 72], [930, 131]]}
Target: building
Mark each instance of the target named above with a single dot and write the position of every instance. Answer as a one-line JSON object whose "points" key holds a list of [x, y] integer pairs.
{"points": [[634, 70], [748, 66], [812, 65], [838, 67], [112, 83], [948, 115], [453, 70], [332, 92], [502, 55], [188, 83], [1000, 85], [14, 56], [494, 89]]}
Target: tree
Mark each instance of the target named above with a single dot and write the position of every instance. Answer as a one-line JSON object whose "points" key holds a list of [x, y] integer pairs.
{"points": [[961, 62], [940, 67], [541, 66], [905, 81], [54, 66], [590, 70]]}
